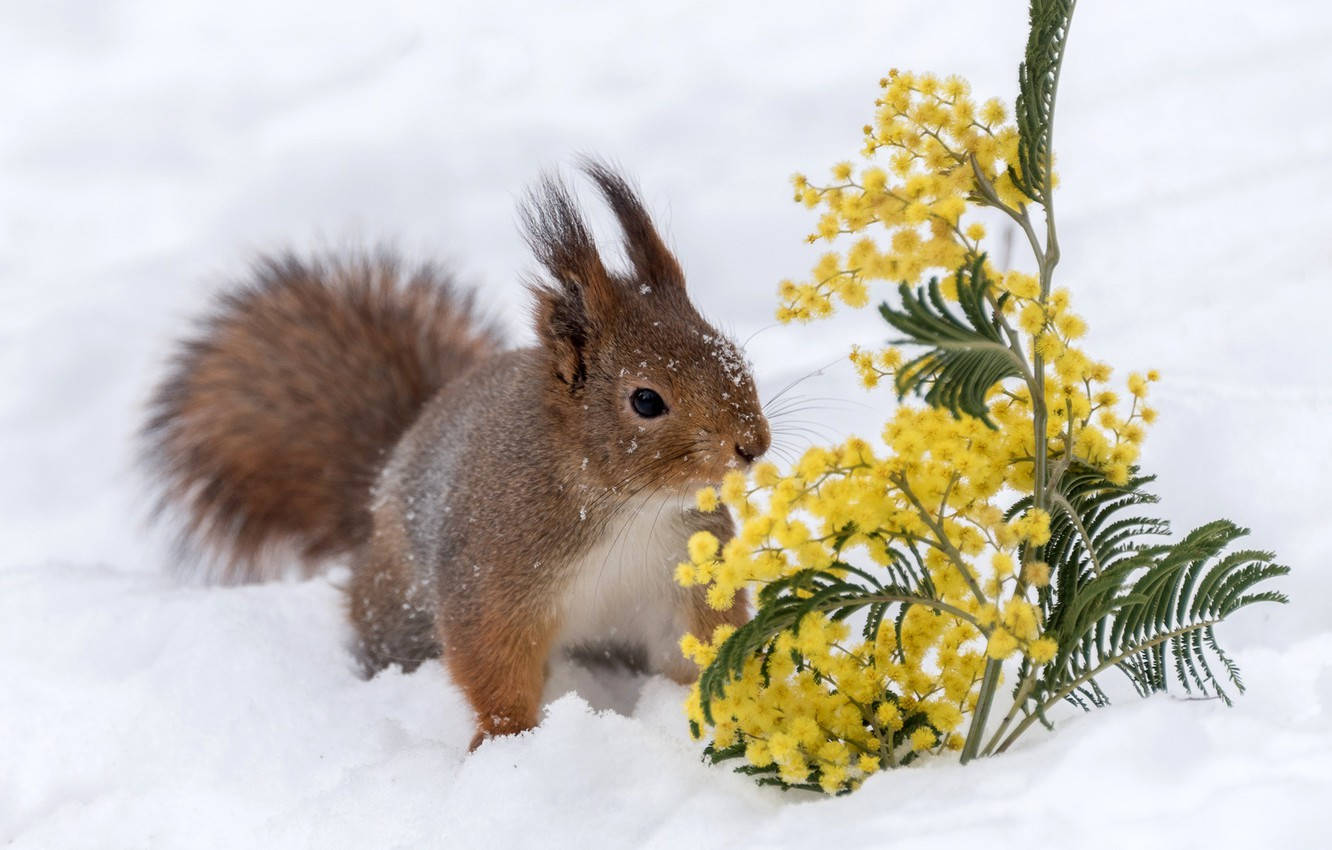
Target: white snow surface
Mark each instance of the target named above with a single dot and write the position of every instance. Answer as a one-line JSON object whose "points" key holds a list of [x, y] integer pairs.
{"points": [[148, 149]]}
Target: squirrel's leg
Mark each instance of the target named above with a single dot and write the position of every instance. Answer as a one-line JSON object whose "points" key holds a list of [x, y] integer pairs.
{"points": [[501, 668], [701, 619], [394, 621]]}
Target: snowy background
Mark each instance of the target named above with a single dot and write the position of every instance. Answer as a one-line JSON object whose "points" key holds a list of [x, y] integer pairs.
{"points": [[148, 149]]}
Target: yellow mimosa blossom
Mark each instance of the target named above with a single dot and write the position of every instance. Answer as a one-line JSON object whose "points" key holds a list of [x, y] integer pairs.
{"points": [[706, 499]]}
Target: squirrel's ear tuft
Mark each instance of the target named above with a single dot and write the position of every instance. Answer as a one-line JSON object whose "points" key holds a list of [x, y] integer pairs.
{"points": [[562, 242], [583, 299], [651, 259]]}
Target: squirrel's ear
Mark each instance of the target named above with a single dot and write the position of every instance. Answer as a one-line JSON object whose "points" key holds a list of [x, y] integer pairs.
{"points": [[583, 301], [651, 259], [562, 326]]}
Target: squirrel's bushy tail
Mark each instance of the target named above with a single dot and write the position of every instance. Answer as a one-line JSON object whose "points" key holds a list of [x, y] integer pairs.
{"points": [[278, 415]]}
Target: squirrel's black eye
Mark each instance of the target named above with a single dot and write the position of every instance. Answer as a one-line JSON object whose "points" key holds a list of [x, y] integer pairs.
{"points": [[647, 403]]}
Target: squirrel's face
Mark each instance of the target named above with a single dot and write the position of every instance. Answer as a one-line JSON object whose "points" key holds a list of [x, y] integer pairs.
{"points": [[669, 397], [658, 398]]}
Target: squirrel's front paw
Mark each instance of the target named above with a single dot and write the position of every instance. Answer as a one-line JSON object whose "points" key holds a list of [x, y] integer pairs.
{"points": [[494, 725]]}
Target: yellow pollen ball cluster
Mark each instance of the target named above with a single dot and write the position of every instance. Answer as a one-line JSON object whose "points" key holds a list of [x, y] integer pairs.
{"points": [[932, 139]]}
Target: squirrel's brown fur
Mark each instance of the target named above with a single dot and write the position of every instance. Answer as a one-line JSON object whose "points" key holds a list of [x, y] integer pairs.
{"points": [[498, 506]]}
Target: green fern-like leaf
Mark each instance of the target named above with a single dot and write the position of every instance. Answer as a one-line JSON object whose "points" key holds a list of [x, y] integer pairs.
{"points": [[1119, 599], [781, 605], [966, 355], [1038, 81], [1090, 533]]}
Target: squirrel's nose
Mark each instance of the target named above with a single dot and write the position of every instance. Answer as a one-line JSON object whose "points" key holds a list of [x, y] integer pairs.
{"points": [[753, 445]]}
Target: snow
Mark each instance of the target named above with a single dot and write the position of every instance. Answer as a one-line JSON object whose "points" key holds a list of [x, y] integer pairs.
{"points": [[148, 148]]}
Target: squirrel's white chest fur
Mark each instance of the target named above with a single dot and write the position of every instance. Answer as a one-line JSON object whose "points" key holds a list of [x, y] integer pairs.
{"points": [[622, 590]]}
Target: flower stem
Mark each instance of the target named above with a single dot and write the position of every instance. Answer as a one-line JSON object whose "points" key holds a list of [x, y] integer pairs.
{"points": [[1094, 672], [1024, 689], [981, 715]]}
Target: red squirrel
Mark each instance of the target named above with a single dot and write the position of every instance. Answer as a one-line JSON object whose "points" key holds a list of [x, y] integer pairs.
{"points": [[496, 505]]}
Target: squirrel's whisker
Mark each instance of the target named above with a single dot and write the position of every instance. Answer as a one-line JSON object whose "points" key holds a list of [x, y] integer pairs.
{"points": [[830, 403], [819, 371], [750, 339]]}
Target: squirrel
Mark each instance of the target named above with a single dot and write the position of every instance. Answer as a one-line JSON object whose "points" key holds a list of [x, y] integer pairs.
{"points": [[497, 505]]}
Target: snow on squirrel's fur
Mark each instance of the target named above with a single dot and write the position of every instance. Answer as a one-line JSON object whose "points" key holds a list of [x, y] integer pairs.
{"points": [[139, 710]]}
